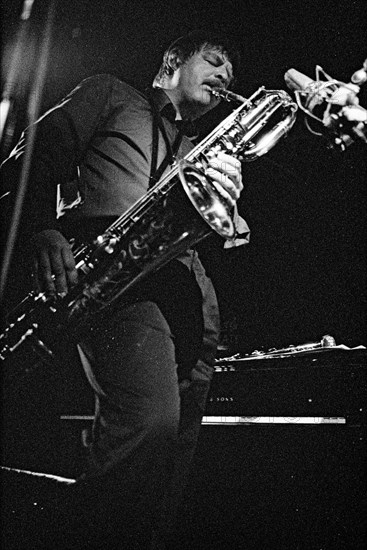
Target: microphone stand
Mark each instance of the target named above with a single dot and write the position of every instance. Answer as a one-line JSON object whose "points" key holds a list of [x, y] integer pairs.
{"points": [[12, 86], [9, 120]]}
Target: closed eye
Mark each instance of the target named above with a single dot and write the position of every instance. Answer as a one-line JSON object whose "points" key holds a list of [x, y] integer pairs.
{"points": [[213, 60], [217, 61]]}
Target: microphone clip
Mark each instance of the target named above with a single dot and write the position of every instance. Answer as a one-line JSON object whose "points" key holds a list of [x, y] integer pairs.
{"points": [[332, 108]]}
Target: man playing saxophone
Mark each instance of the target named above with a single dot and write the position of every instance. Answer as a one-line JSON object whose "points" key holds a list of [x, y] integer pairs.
{"points": [[149, 359]]}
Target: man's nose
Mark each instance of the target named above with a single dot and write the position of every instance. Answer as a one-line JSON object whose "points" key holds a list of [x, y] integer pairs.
{"points": [[222, 74]]}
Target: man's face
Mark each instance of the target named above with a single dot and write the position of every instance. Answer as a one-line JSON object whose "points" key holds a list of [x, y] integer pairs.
{"points": [[207, 69]]}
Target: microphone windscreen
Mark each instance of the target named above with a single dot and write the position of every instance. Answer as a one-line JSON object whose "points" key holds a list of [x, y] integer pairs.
{"points": [[297, 81]]}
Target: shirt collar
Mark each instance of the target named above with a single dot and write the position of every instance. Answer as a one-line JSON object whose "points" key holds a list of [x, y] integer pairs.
{"points": [[167, 110], [162, 103]]}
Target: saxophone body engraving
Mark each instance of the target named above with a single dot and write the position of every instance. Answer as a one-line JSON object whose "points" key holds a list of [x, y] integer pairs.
{"points": [[179, 211]]}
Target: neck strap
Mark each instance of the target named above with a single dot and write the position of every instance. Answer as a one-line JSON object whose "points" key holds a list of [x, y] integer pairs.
{"points": [[156, 172]]}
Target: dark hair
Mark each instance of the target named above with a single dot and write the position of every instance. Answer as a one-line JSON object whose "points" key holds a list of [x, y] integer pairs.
{"points": [[186, 46]]}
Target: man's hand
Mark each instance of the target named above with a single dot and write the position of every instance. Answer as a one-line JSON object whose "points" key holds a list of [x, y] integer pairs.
{"points": [[53, 262], [226, 172]]}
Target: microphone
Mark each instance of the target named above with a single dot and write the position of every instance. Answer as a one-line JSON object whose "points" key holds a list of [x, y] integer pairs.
{"points": [[336, 92], [302, 84], [333, 104], [297, 81]]}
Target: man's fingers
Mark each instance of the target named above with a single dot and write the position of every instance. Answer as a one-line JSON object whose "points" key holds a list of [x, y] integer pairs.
{"points": [[226, 186], [36, 283], [58, 270], [231, 168], [54, 265], [223, 185], [43, 274], [69, 263]]}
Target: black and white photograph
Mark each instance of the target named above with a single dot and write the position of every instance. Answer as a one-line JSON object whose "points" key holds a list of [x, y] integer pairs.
{"points": [[183, 275]]}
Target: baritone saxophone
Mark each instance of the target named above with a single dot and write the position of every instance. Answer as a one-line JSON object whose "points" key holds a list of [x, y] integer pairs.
{"points": [[183, 208]]}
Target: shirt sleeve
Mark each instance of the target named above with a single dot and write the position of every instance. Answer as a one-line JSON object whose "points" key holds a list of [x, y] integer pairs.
{"points": [[62, 136], [242, 231]]}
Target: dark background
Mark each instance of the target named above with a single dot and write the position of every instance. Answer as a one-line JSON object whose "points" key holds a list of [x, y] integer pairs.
{"points": [[302, 276], [304, 273]]}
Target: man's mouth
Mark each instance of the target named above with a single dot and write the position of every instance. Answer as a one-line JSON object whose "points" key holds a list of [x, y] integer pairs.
{"points": [[210, 88], [215, 84]]}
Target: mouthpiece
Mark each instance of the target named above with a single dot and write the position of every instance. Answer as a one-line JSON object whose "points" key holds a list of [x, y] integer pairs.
{"points": [[227, 95]]}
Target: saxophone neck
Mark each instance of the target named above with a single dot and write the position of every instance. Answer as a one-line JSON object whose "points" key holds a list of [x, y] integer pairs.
{"points": [[226, 95]]}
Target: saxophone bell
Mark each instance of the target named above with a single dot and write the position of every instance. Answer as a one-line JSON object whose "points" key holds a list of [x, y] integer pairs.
{"points": [[249, 132], [206, 199]]}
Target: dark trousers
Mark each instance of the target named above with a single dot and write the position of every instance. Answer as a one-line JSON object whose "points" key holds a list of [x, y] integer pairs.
{"points": [[150, 365]]}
